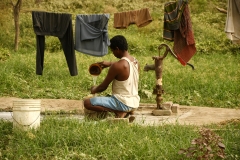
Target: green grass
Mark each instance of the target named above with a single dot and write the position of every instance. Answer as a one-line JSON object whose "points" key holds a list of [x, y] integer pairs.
{"points": [[66, 138], [214, 82]]}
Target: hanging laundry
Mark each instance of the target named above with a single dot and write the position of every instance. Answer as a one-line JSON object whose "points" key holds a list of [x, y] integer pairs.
{"points": [[172, 18], [58, 25], [232, 26], [178, 28], [140, 17], [91, 34], [184, 43]]}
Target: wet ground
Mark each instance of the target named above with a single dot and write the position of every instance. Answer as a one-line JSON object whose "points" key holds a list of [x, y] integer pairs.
{"points": [[187, 115]]}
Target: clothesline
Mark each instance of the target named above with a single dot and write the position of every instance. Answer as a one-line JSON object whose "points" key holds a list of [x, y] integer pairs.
{"points": [[91, 36]]}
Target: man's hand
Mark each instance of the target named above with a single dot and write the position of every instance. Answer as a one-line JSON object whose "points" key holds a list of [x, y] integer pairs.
{"points": [[105, 64], [93, 90]]}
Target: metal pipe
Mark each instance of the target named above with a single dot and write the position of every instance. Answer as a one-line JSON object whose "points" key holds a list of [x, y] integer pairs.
{"points": [[158, 67]]}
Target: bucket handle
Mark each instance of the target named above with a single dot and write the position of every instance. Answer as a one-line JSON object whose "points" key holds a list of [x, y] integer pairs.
{"points": [[25, 125]]}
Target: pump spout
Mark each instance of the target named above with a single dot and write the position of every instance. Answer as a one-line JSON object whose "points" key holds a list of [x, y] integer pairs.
{"points": [[149, 67]]}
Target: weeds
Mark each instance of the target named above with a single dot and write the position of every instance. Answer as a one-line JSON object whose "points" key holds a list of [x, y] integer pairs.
{"points": [[71, 138], [4, 54], [66, 138]]}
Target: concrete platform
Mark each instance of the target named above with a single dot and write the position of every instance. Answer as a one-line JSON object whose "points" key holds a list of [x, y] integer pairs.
{"points": [[189, 115]]}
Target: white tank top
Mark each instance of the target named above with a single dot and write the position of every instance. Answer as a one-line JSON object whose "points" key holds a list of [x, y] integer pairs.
{"points": [[127, 91]]}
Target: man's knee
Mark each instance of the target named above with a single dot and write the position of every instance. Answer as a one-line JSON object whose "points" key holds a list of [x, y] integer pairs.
{"points": [[87, 103]]}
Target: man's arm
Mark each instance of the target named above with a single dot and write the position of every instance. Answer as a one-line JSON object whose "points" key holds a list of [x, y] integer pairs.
{"points": [[112, 73], [105, 64]]}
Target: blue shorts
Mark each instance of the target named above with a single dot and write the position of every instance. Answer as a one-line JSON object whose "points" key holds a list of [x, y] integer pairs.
{"points": [[110, 102]]}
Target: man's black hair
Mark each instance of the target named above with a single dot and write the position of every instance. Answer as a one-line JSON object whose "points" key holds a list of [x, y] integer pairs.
{"points": [[120, 42]]}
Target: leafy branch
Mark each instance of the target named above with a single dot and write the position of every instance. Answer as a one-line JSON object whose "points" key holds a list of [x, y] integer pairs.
{"points": [[208, 146]]}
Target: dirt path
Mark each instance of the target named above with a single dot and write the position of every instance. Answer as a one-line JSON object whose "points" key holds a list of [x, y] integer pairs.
{"points": [[46, 104], [186, 114]]}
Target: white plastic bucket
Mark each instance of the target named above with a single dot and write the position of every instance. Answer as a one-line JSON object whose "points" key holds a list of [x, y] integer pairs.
{"points": [[26, 113]]}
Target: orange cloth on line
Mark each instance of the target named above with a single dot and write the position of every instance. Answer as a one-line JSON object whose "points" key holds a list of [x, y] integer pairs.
{"points": [[140, 17], [184, 44]]}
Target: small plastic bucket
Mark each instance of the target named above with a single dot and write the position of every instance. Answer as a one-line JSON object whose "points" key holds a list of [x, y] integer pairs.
{"points": [[95, 69], [26, 114]]}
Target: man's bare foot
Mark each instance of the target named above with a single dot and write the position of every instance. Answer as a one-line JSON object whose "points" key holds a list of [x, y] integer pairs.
{"points": [[119, 114], [128, 114]]}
